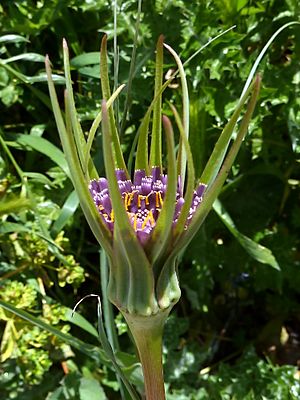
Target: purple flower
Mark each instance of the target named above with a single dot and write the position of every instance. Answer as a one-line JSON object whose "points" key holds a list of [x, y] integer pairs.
{"points": [[143, 200]]}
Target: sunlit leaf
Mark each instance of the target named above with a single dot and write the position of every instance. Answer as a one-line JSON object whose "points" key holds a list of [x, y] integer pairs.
{"points": [[45, 147], [256, 250], [11, 38]]}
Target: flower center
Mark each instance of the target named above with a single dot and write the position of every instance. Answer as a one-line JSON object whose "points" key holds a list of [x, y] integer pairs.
{"points": [[143, 200], [143, 210]]}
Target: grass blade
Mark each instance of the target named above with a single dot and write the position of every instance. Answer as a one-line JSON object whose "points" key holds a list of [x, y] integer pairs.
{"points": [[263, 52], [83, 347]]}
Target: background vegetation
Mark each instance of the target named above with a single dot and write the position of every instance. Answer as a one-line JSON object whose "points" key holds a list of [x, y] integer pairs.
{"points": [[235, 332]]}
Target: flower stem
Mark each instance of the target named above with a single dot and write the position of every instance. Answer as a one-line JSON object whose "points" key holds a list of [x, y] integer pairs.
{"points": [[147, 333]]}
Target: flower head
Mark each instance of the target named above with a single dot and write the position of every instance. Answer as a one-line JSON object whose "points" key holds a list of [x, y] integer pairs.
{"points": [[143, 200], [143, 224]]}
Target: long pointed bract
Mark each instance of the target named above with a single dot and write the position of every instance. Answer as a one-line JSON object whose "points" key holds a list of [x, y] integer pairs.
{"points": [[97, 226], [185, 108], [156, 148], [180, 224], [106, 94], [162, 229], [216, 187]]}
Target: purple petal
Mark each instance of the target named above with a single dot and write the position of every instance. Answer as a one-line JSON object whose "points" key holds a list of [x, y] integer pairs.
{"points": [[164, 179], [179, 186], [125, 186], [102, 184], [139, 174], [146, 185], [120, 174], [178, 207], [93, 187], [156, 173], [201, 189], [106, 203], [143, 237]]}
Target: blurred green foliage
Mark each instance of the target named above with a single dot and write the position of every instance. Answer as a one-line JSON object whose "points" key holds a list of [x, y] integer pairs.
{"points": [[235, 333]]}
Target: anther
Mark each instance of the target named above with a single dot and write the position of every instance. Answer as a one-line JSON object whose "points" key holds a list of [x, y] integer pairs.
{"points": [[158, 200], [148, 218], [135, 222]]}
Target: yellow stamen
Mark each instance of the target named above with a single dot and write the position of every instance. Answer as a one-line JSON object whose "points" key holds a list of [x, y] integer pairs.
{"points": [[148, 218], [130, 198], [140, 198], [112, 216], [135, 222], [158, 200], [126, 201]]}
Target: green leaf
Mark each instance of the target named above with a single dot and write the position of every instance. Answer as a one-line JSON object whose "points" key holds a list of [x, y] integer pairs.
{"points": [[66, 212], [45, 147], [220, 148], [90, 389], [262, 53], [11, 227], [14, 205], [58, 394], [256, 250], [80, 321], [86, 59], [12, 39], [8, 341], [38, 177], [34, 57], [83, 347], [58, 79], [93, 72]]}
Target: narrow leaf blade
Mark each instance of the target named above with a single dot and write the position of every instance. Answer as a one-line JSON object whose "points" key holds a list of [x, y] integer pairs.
{"points": [[256, 250]]}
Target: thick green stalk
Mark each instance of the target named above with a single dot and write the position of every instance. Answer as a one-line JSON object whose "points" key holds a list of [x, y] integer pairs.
{"points": [[147, 333]]}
